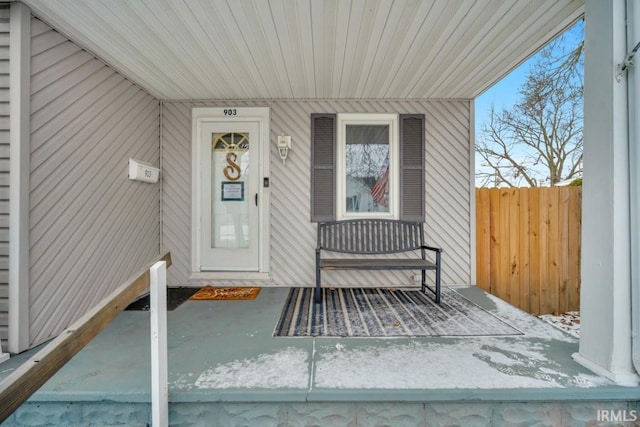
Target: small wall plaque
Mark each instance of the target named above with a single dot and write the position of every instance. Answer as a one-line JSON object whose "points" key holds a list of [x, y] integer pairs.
{"points": [[232, 191]]}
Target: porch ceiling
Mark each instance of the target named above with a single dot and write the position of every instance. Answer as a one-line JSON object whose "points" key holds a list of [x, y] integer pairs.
{"points": [[348, 49]]}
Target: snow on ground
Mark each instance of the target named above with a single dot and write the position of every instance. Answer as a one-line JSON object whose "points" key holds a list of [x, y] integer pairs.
{"points": [[471, 363], [468, 363], [464, 364], [287, 368], [480, 363], [530, 325], [568, 322]]}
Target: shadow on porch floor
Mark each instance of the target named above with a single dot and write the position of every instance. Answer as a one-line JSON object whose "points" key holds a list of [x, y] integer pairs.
{"points": [[224, 351]]}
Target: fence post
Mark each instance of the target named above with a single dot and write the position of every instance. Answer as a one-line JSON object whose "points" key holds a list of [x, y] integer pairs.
{"points": [[159, 366]]}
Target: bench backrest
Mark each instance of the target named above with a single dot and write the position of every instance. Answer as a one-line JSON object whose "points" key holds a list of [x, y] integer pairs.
{"points": [[370, 236]]}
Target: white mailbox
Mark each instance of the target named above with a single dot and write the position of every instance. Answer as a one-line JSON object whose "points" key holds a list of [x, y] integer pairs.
{"points": [[141, 171]]}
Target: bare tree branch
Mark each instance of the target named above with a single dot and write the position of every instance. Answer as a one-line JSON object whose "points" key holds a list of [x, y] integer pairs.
{"points": [[539, 140]]}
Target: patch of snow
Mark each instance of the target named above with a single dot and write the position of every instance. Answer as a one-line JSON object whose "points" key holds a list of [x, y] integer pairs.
{"points": [[586, 380], [568, 322], [183, 382], [484, 363], [531, 326], [287, 368]]}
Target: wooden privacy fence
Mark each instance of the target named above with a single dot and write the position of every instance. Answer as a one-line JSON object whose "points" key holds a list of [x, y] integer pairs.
{"points": [[528, 246]]}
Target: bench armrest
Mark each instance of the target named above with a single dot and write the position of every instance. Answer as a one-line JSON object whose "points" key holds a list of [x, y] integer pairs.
{"points": [[432, 248]]}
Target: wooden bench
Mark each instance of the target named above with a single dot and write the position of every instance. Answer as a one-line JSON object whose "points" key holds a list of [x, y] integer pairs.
{"points": [[375, 237]]}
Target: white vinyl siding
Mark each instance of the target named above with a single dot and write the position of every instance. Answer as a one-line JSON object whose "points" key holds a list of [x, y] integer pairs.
{"points": [[4, 176], [292, 234], [90, 227]]}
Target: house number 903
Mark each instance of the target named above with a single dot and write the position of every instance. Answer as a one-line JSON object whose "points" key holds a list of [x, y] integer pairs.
{"points": [[230, 112]]}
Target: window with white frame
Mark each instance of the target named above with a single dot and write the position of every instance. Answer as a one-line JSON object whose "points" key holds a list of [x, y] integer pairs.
{"points": [[366, 166]]}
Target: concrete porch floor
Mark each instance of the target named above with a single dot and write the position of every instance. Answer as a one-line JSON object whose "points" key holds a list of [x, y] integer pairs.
{"points": [[223, 352]]}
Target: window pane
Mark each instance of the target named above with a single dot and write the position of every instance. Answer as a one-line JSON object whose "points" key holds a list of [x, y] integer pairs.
{"points": [[367, 168]]}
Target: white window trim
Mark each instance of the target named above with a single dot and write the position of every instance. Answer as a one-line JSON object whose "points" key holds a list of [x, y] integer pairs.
{"points": [[390, 120]]}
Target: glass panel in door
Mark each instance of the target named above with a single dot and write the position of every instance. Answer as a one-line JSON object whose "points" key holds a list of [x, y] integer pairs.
{"points": [[230, 196], [230, 157]]}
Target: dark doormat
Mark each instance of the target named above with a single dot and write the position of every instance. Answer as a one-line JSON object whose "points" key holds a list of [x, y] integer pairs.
{"points": [[175, 297]]}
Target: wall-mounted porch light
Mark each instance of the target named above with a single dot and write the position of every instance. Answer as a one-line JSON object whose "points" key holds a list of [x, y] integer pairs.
{"points": [[284, 145]]}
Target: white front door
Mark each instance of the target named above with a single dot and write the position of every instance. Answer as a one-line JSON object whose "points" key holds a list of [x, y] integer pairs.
{"points": [[229, 163]]}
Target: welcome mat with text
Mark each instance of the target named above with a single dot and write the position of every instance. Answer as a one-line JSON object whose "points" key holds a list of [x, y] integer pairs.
{"points": [[357, 312], [209, 293]]}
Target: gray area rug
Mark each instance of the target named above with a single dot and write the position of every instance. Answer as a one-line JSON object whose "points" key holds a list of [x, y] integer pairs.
{"points": [[356, 312]]}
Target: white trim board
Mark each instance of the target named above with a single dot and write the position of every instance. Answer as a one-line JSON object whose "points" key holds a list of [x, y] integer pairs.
{"points": [[20, 151]]}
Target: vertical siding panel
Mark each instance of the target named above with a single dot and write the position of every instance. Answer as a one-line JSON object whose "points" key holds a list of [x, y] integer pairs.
{"points": [[293, 236], [4, 179], [90, 227]]}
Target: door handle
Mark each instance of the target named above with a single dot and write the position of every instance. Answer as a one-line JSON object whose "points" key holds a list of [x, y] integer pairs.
{"points": [[256, 199]]}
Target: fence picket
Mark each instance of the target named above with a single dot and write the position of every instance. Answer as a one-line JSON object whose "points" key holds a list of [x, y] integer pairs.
{"points": [[483, 239], [503, 244], [554, 246], [563, 223], [575, 243], [534, 250], [543, 251], [513, 284], [494, 249], [524, 240]]}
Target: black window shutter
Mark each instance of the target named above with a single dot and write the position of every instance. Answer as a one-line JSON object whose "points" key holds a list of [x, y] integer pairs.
{"points": [[323, 159], [412, 152]]}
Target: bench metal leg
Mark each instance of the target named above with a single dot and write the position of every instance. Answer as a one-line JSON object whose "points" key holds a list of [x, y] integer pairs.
{"points": [[435, 291], [438, 278], [317, 296]]}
